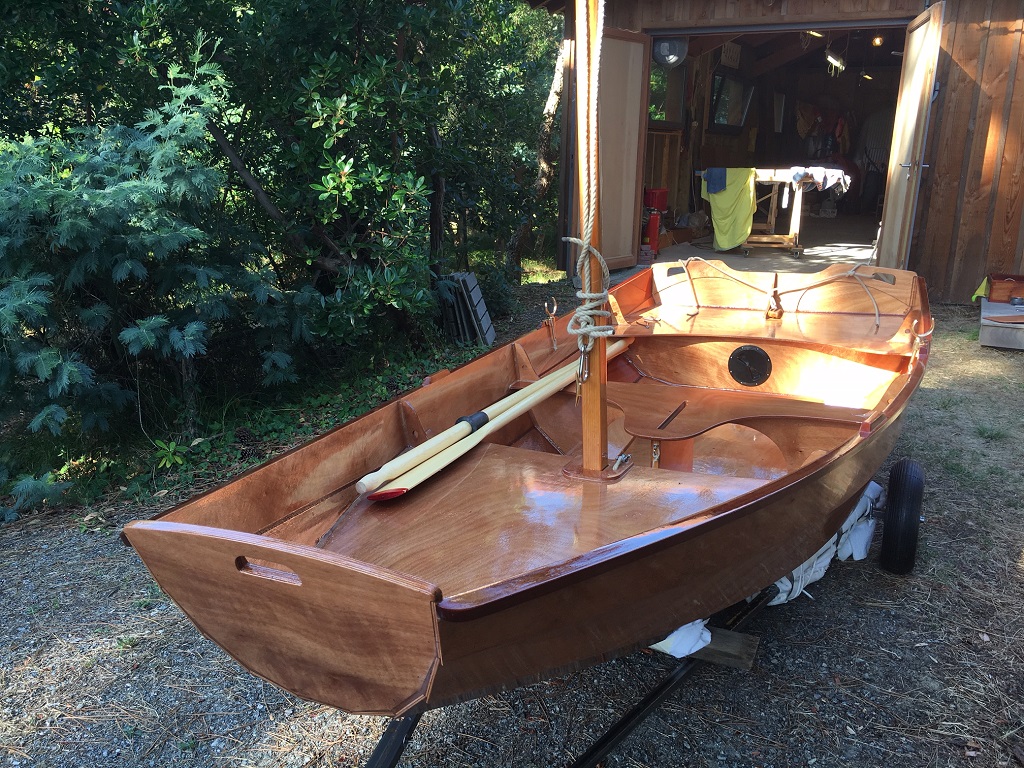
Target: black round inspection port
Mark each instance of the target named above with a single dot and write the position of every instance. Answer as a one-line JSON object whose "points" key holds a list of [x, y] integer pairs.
{"points": [[750, 365]]}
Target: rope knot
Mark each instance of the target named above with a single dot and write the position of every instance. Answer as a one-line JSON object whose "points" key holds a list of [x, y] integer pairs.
{"points": [[583, 324]]}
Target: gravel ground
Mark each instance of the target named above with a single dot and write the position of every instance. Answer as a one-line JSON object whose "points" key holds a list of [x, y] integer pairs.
{"points": [[97, 667]]}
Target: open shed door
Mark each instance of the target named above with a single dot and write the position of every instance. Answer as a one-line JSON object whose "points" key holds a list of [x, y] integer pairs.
{"points": [[622, 132], [906, 160]]}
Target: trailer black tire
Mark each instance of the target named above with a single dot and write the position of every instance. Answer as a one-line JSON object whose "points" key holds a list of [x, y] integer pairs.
{"points": [[902, 517]]}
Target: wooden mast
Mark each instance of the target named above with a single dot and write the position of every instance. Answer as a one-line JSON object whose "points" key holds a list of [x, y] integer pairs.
{"points": [[593, 394]]}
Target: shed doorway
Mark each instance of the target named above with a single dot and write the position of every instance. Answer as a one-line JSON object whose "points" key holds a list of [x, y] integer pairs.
{"points": [[791, 98]]}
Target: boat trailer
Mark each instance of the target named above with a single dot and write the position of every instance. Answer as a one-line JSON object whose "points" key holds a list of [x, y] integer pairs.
{"points": [[396, 736]]}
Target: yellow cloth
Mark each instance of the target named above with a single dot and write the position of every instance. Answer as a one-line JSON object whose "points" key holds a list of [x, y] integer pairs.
{"points": [[982, 291], [732, 209]]}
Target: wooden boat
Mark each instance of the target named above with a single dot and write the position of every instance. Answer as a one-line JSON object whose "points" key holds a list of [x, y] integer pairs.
{"points": [[755, 408]]}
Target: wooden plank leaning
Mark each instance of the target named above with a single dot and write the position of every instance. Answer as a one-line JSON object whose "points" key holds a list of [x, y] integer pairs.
{"points": [[416, 465]]}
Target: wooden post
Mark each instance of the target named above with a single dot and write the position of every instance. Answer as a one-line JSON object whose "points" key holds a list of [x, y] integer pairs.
{"points": [[594, 396]]}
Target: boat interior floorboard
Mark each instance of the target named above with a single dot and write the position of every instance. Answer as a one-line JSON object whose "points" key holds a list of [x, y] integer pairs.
{"points": [[501, 512]]}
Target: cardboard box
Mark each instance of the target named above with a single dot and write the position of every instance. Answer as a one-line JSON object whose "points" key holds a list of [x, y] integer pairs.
{"points": [[684, 234]]}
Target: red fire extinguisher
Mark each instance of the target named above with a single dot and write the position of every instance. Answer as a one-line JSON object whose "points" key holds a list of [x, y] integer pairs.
{"points": [[653, 234]]}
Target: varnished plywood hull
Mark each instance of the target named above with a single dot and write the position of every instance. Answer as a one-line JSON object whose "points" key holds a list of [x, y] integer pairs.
{"points": [[506, 566]]}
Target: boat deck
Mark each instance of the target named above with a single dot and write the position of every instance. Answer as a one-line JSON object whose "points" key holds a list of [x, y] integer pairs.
{"points": [[502, 512], [870, 310]]}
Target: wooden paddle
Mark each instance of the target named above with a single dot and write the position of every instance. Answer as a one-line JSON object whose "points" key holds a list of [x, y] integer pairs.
{"points": [[425, 460]]}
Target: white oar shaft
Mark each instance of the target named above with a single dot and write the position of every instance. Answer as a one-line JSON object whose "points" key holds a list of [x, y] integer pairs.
{"points": [[436, 444], [417, 455], [414, 456], [538, 392], [450, 436]]}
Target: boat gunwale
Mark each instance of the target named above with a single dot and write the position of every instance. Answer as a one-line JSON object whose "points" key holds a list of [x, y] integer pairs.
{"points": [[632, 281], [393, 402], [552, 577]]}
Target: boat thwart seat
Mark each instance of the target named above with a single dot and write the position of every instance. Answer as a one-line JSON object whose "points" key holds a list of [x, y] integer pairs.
{"points": [[659, 411]]}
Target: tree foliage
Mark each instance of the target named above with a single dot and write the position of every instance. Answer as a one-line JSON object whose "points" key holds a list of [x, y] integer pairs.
{"points": [[493, 100], [197, 192]]}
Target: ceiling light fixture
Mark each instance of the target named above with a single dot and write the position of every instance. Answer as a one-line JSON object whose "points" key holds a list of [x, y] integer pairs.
{"points": [[877, 41], [670, 52], [812, 33], [835, 62], [865, 75]]}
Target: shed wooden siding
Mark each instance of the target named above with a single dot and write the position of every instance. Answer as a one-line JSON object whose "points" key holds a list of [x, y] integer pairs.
{"points": [[971, 203], [971, 208]]}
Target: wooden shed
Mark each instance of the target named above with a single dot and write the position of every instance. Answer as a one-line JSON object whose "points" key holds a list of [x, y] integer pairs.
{"points": [[922, 102]]}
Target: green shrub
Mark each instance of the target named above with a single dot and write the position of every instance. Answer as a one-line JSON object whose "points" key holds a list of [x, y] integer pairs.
{"points": [[123, 282], [159, 259]]}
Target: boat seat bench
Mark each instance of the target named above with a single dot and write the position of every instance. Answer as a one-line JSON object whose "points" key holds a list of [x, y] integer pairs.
{"points": [[659, 411]]}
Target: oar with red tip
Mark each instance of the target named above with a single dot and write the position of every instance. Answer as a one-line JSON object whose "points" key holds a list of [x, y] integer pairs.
{"points": [[413, 467]]}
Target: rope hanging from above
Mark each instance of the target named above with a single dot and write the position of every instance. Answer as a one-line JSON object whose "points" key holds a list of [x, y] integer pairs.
{"points": [[584, 323]]}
